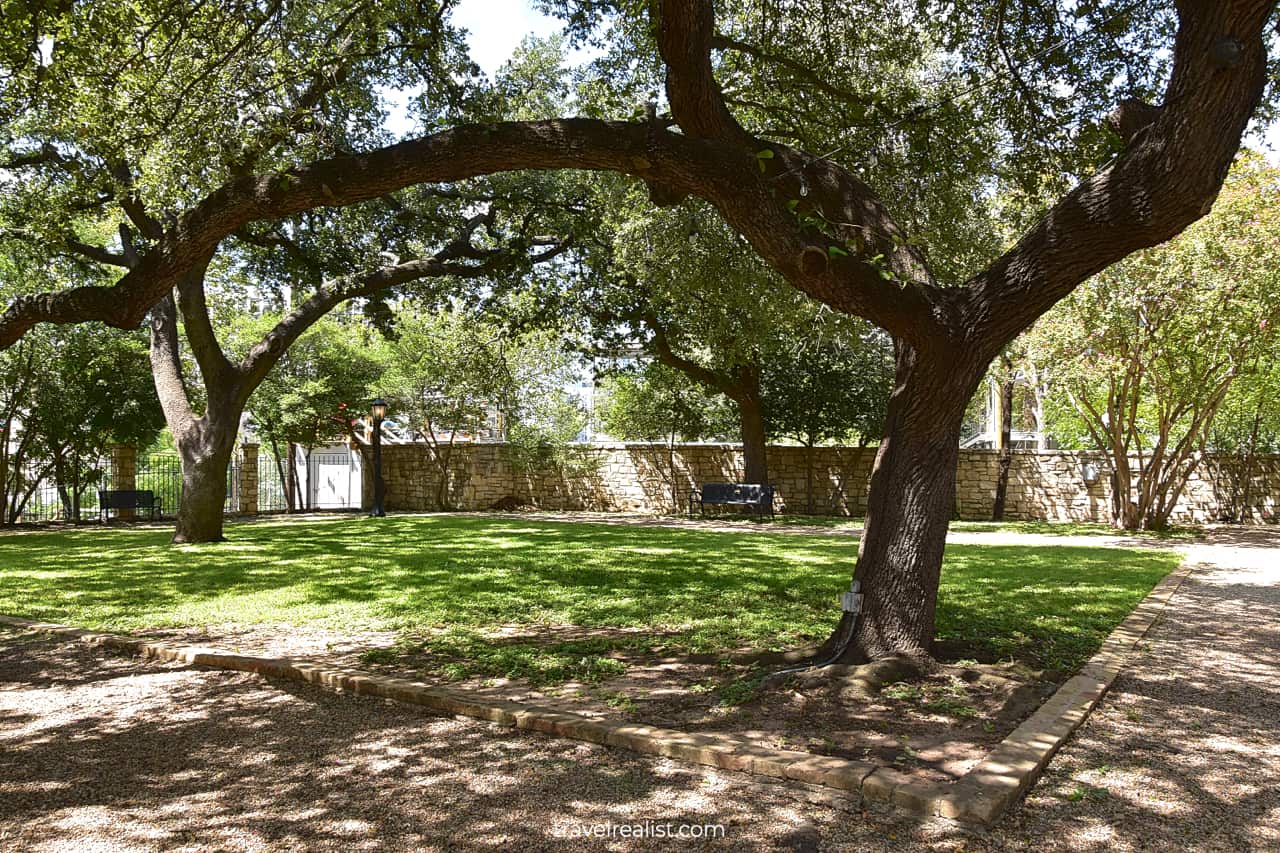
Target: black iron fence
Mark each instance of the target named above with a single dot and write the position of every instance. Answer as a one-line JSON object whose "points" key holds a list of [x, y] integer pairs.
{"points": [[33, 492], [272, 496], [160, 473]]}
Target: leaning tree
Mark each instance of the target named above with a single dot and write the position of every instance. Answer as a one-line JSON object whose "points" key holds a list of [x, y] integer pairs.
{"points": [[820, 223]]}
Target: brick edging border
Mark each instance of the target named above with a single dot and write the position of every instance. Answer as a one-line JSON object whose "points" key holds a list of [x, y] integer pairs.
{"points": [[980, 797]]}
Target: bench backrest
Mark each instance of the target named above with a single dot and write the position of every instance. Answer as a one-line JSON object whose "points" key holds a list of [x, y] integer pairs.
{"points": [[755, 493], [126, 498], [719, 492], [737, 493]]}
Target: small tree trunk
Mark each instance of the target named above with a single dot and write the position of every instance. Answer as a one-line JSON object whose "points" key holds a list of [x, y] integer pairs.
{"points": [[1005, 461], [810, 505], [76, 488], [308, 493], [909, 506], [751, 418], [1245, 513], [60, 482], [284, 478], [294, 488]]}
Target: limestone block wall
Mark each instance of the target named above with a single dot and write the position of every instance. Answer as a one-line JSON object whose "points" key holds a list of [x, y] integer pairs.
{"points": [[656, 478]]}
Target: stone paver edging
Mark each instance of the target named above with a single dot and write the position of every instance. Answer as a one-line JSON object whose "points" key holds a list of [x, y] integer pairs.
{"points": [[979, 797]]}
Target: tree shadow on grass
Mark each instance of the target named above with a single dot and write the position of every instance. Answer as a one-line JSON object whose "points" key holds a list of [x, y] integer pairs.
{"points": [[726, 591]]}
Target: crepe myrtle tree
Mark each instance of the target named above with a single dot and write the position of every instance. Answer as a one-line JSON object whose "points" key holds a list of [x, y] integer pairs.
{"points": [[1192, 88]]}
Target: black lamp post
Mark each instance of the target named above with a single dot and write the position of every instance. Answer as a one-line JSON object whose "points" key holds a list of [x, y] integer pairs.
{"points": [[379, 411]]}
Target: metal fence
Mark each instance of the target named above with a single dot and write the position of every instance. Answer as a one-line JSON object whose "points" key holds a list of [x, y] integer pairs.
{"points": [[160, 473], [272, 496], [33, 493]]}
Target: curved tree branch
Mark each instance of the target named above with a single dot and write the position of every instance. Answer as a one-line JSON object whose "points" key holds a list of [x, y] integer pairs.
{"points": [[1168, 177], [724, 173], [447, 262]]}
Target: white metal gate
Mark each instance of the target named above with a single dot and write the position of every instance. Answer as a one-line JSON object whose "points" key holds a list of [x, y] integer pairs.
{"points": [[333, 477]]}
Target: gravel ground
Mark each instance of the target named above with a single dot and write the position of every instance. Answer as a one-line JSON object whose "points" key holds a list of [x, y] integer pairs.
{"points": [[99, 752]]}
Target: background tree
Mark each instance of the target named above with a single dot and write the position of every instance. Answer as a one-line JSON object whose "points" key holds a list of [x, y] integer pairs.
{"points": [[452, 374], [1146, 353], [67, 393], [830, 386], [687, 292], [1246, 426], [313, 395], [652, 402]]}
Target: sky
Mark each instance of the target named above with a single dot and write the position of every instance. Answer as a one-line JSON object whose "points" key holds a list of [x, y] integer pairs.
{"points": [[497, 26]]}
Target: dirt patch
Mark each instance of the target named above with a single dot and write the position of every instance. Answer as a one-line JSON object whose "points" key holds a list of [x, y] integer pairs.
{"points": [[935, 728]]}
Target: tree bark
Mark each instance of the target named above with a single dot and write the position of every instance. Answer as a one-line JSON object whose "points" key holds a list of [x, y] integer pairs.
{"points": [[909, 506], [755, 461], [206, 454]]}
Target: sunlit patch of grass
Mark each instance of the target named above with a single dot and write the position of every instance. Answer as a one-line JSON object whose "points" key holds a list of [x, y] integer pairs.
{"points": [[1074, 528], [696, 590]]}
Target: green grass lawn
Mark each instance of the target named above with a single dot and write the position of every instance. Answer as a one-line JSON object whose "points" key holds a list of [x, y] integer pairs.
{"points": [[1046, 528], [686, 589]]}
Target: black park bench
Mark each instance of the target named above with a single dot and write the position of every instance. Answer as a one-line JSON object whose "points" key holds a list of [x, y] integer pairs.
{"points": [[119, 499], [751, 497]]}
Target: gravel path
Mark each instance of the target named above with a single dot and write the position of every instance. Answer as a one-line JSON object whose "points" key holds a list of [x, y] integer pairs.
{"points": [[99, 752]]}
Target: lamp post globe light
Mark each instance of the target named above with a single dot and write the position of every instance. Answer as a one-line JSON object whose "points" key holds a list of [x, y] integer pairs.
{"points": [[378, 409]]}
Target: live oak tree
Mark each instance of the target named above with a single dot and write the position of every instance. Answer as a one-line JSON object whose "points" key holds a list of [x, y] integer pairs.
{"points": [[652, 402], [686, 291], [1187, 82], [304, 81], [452, 373]]}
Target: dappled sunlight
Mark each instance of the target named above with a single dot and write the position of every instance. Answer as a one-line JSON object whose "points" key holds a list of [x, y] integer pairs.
{"points": [[720, 589]]}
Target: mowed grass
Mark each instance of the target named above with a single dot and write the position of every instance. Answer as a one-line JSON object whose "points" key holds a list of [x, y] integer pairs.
{"points": [[685, 589], [1041, 528]]}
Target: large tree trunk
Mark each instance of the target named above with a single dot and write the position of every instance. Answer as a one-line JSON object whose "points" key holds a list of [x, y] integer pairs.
{"points": [[909, 506], [751, 419], [206, 451]]}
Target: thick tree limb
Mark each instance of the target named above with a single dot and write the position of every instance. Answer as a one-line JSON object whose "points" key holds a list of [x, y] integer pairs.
{"points": [[447, 262], [96, 253], [214, 365], [1168, 178], [166, 365], [44, 154], [685, 32], [665, 353], [820, 227], [716, 170]]}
